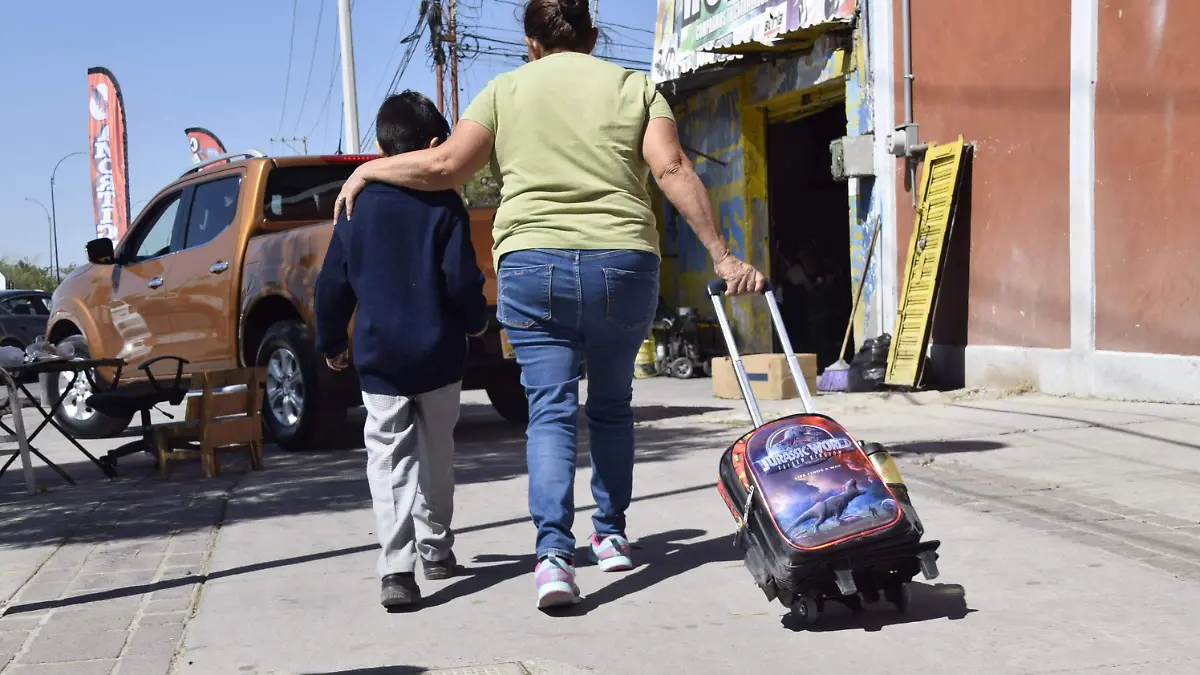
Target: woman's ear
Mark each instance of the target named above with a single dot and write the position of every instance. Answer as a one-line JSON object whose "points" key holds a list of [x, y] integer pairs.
{"points": [[535, 49]]}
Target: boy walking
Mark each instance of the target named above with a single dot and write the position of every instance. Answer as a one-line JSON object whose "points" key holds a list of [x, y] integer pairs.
{"points": [[406, 264]]}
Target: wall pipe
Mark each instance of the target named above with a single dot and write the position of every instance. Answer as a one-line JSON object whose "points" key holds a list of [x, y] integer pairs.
{"points": [[906, 31]]}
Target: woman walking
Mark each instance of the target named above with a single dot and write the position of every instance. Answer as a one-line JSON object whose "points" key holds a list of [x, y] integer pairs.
{"points": [[574, 138]]}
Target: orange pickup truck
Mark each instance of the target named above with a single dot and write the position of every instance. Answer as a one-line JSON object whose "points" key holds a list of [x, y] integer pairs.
{"points": [[219, 269]]}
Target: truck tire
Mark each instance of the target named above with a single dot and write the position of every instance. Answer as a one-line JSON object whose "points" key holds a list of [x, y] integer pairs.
{"points": [[74, 415], [509, 399], [293, 413]]}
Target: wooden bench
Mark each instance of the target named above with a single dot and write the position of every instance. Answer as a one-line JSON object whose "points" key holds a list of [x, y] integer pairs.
{"points": [[224, 417]]}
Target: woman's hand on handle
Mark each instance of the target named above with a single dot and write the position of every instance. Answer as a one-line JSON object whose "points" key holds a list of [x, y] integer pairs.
{"points": [[740, 277]]}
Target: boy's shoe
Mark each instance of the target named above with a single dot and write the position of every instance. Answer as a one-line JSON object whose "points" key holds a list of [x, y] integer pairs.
{"points": [[611, 553], [440, 570], [555, 583], [399, 590]]}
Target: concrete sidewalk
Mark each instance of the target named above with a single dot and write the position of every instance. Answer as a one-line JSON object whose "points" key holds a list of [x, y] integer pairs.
{"points": [[1070, 529]]}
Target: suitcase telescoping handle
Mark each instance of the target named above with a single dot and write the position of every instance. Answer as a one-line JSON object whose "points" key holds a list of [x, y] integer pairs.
{"points": [[716, 289]]}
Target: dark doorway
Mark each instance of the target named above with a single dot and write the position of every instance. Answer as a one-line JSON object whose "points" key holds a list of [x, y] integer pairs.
{"points": [[810, 233]]}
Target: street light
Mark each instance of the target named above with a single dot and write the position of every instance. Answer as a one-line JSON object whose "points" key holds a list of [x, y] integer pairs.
{"points": [[54, 215], [49, 228]]}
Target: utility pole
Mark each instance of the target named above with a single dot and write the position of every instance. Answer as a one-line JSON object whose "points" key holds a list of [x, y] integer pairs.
{"points": [[452, 38], [595, 12], [49, 230], [54, 215], [288, 141], [436, 37], [349, 89]]}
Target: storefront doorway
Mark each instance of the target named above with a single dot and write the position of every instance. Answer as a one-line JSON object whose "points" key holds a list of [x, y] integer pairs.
{"points": [[810, 232]]}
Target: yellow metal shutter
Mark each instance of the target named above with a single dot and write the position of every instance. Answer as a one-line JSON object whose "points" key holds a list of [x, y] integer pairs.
{"points": [[934, 210]]}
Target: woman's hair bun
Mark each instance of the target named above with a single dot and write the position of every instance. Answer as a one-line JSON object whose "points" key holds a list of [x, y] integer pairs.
{"points": [[574, 10]]}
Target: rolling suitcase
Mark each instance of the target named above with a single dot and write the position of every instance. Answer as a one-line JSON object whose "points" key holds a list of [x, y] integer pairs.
{"points": [[820, 516]]}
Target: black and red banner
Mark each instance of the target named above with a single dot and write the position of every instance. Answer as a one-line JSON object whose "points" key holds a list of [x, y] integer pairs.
{"points": [[109, 154], [204, 144]]}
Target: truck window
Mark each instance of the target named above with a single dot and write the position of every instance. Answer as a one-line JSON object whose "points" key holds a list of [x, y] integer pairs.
{"points": [[303, 193], [155, 237], [25, 305], [213, 207]]}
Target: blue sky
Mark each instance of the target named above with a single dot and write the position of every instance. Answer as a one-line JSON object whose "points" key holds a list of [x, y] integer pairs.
{"points": [[220, 64]]}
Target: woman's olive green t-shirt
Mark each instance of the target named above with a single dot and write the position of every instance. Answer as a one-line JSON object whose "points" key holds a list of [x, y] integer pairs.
{"points": [[568, 149]]}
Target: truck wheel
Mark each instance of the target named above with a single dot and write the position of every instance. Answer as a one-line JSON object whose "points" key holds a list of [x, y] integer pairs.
{"points": [[74, 415], [508, 398], [292, 413]]}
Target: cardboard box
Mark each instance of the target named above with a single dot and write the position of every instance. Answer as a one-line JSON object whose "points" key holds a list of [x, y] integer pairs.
{"points": [[769, 376]]}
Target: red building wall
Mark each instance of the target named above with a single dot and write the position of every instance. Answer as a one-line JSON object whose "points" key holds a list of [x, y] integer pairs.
{"points": [[1147, 173], [998, 73]]}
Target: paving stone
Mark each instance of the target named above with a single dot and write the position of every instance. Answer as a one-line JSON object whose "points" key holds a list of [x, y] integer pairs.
{"points": [[68, 557], [112, 580], [18, 623], [84, 646], [163, 619], [4, 659], [149, 561], [182, 571], [182, 590], [36, 592], [101, 667], [169, 605], [10, 643], [46, 576], [190, 544], [183, 559], [151, 650], [90, 618]]}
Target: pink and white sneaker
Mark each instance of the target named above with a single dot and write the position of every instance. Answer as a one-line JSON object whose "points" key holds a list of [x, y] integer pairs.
{"points": [[555, 581], [611, 553]]}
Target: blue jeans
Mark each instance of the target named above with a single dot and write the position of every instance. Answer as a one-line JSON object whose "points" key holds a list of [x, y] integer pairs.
{"points": [[559, 308]]}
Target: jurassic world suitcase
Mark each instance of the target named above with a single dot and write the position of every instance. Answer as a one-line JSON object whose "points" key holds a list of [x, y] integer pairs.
{"points": [[820, 516]]}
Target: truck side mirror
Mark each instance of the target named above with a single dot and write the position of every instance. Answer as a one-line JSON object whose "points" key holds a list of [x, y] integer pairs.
{"points": [[100, 251]]}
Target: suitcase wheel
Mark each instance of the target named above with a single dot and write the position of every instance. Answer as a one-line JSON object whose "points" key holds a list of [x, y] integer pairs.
{"points": [[805, 610]]}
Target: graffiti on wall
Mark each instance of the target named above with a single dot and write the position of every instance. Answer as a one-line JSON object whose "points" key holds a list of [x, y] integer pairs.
{"points": [[864, 211]]}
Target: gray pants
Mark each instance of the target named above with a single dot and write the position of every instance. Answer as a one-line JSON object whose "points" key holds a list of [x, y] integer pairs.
{"points": [[410, 468]]}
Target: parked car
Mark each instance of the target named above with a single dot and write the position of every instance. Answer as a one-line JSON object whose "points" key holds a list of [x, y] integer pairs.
{"points": [[23, 317], [219, 269]]}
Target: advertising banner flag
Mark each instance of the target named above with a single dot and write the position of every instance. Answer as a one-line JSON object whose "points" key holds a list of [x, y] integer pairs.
{"points": [[109, 154], [204, 144]]}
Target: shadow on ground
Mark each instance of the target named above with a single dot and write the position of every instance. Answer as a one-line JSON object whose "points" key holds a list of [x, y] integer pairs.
{"points": [[943, 447], [929, 602], [138, 505]]}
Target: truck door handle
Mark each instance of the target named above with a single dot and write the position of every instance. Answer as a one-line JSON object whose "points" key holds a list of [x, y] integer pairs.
{"points": [[155, 282], [219, 267]]}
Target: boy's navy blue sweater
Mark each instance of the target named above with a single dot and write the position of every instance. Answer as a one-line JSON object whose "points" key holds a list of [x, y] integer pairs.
{"points": [[407, 264]]}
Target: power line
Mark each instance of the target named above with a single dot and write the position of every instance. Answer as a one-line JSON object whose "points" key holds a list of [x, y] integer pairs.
{"points": [[287, 79], [413, 39], [311, 62]]}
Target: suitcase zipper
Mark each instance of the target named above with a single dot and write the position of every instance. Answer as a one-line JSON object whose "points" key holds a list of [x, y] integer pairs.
{"points": [[745, 519]]}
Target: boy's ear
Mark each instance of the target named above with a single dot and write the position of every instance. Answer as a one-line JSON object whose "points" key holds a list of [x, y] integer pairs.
{"points": [[378, 147], [434, 143]]}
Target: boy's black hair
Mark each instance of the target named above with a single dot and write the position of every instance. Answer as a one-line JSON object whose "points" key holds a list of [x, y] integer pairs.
{"points": [[408, 121]]}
